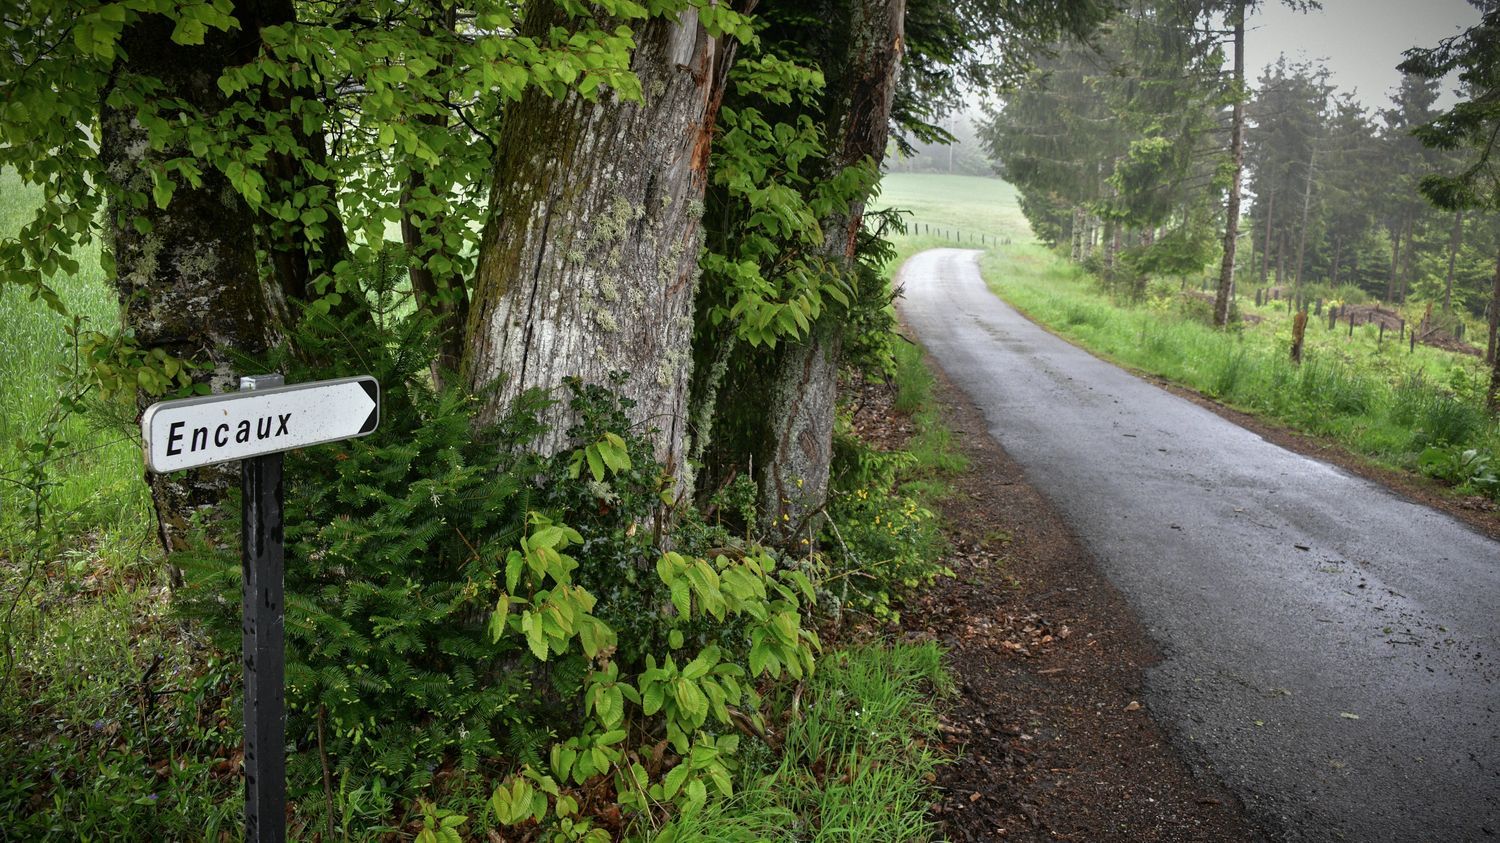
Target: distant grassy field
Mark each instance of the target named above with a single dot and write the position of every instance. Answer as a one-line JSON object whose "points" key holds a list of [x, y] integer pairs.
{"points": [[1376, 397], [962, 204], [100, 481]]}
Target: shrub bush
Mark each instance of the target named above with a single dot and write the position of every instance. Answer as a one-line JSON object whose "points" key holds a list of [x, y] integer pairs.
{"points": [[457, 605], [880, 542]]}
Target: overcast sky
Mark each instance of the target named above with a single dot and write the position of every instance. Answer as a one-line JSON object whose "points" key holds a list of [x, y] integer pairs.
{"points": [[1360, 41]]}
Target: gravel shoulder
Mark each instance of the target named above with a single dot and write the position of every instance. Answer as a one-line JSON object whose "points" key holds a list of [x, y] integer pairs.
{"points": [[1047, 730]]}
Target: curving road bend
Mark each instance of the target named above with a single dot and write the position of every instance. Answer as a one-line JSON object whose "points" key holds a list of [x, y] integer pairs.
{"points": [[1331, 651]]}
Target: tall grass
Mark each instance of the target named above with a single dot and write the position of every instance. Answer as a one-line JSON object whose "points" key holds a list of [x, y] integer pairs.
{"points": [[81, 619], [98, 468], [935, 455], [854, 764], [1375, 396]]}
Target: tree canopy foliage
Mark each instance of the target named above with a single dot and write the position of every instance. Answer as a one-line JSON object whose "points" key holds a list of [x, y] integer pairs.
{"points": [[592, 249]]}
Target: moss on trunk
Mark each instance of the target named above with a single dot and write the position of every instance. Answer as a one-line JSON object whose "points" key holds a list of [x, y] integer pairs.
{"points": [[588, 261]]}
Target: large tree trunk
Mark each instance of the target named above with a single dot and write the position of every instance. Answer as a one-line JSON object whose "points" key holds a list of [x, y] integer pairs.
{"points": [[185, 274], [588, 261], [793, 471], [1454, 242], [794, 466], [1237, 154]]}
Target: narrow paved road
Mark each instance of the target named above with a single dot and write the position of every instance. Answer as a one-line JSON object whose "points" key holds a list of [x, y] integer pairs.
{"points": [[1331, 651]]}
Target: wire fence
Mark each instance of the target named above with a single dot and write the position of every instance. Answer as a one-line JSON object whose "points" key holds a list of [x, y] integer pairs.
{"points": [[954, 235]]}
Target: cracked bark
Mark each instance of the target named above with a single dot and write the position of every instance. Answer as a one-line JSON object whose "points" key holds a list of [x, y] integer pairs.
{"points": [[792, 472], [188, 282], [588, 260]]}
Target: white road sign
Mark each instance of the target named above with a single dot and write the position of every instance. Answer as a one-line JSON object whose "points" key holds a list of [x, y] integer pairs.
{"points": [[219, 428]]}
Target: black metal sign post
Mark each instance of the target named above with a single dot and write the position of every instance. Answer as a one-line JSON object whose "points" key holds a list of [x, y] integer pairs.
{"points": [[264, 562]]}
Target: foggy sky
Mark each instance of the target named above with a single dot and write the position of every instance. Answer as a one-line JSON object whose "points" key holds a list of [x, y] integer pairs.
{"points": [[1361, 41]]}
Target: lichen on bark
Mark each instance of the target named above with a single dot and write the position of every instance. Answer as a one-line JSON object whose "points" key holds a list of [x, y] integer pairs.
{"points": [[186, 273], [589, 257]]}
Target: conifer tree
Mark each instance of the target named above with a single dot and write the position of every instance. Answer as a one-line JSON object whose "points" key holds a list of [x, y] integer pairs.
{"points": [[1470, 127]]}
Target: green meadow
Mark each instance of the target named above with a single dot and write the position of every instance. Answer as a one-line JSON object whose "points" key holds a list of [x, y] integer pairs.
{"points": [[96, 469]]}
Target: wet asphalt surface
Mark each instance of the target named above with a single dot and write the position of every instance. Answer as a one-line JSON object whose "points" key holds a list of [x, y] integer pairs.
{"points": [[1330, 651]]}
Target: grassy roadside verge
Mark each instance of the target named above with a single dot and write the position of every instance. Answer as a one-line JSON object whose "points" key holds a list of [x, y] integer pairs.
{"points": [[1419, 412], [855, 766], [1401, 409]]}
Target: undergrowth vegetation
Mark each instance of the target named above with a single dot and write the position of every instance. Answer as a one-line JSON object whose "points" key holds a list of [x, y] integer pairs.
{"points": [[480, 641], [853, 763]]}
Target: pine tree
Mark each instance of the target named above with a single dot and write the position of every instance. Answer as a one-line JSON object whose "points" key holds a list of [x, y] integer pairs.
{"points": [[1470, 127]]}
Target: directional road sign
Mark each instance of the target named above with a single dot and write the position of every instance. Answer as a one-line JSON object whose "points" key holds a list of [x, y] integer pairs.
{"points": [[255, 425], [219, 428]]}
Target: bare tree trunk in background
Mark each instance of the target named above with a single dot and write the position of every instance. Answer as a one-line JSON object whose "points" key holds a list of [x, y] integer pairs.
{"points": [[1406, 259], [589, 258], [1338, 254], [188, 284], [445, 297], [1390, 284], [1281, 259], [793, 473], [1454, 243], [1111, 243], [1265, 252], [298, 259], [1302, 235], [1237, 154]]}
